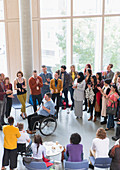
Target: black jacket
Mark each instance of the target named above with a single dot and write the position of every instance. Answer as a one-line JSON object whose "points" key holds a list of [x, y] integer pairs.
{"points": [[66, 80]]}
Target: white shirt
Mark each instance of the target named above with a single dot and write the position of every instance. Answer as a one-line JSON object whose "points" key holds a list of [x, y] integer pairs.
{"points": [[40, 153], [101, 147], [23, 138]]}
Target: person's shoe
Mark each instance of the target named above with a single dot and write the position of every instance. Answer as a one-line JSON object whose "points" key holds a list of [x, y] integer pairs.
{"points": [[91, 166], [90, 118], [84, 109], [22, 117], [88, 111], [103, 123], [107, 129], [115, 138], [31, 132], [95, 119], [116, 119]]}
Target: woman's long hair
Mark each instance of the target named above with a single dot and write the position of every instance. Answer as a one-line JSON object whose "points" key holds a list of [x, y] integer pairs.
{"points": [[73, 67], [100, 76], [79, 80], [38, 141], [95, 79]]}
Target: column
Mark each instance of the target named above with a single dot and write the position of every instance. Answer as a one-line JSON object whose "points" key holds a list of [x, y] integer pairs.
{"points": [[25, 13]]}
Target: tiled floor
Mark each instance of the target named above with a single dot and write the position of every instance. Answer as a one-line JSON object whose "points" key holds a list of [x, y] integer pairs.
{"points": [[67, 124]]}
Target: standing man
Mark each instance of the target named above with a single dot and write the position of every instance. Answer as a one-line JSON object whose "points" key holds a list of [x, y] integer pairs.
{"points": [[56, 87], [11, 134], [109, 74], [3, 101], [46, 77], [65, 77], [35, 84]]}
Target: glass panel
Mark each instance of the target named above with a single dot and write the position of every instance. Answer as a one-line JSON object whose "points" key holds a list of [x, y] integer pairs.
{"points": [[55, 42], [3, 63], [1, 9], [86, 7], [112, 43], [54, 8], [112, 6], [86, 34]]}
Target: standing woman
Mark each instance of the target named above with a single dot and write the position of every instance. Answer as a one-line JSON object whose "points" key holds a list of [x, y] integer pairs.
{"points": [[92, 87], [79, 87], [112, 98], [20, 85], [73, 75], [99, 79], [87, 80], [104, 91], [8, 86]]}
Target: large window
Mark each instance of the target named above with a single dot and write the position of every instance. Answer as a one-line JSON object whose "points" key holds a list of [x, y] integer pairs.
{"points": [[85, 35], [3, 63], [55, 42], [87, 32], [112, 43]]}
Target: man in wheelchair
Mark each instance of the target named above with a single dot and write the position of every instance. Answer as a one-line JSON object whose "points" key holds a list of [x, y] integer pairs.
{"points": [[46, 109]]}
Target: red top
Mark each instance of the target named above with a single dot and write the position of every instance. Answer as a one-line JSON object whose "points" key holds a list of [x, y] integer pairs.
{"points": [[35, 88], [114, 97]]}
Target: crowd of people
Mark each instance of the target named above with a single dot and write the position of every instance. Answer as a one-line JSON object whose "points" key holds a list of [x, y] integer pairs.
{"points": [[99, 93]]}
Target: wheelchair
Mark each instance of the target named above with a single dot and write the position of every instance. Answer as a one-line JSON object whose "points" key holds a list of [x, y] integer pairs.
{"points": [[46, 126]]}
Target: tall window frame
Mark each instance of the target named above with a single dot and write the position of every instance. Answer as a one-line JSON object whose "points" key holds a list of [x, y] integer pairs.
{"points": [[98, 60]]}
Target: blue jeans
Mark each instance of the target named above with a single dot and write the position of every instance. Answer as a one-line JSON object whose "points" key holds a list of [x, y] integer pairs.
{"points": [[71, 94], [110, 123]]}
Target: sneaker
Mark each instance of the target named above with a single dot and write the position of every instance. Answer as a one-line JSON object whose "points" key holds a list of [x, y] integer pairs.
{"points": [[103, 123], [115, 138]]}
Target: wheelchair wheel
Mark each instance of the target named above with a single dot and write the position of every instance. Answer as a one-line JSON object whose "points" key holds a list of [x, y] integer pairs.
{"points": [[48, 126]]}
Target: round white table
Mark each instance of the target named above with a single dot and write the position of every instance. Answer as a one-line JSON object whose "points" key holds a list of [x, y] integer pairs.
{"points": [[53, 149]]}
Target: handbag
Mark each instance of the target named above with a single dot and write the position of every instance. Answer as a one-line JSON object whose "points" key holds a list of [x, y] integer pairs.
{"points": [[111, 110]]}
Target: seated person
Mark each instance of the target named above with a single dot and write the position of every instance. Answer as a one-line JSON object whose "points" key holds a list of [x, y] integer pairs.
{"points": [[44, 111], [74, 150], [115, 155], [100, 145], [24, 138], [39, 152], [38, 149]]}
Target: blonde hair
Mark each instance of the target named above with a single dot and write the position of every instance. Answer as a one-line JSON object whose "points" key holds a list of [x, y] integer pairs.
{"points": [[101, 133]]}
